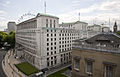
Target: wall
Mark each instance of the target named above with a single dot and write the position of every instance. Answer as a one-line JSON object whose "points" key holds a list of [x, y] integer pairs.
{"points": [[98, 66]]}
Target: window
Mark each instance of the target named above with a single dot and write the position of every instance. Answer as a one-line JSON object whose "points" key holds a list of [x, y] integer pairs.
{"points": [[77, 64], [51, 39], [54, 23], [51, 48], [47, 59], [89, 66], [47, 39], [46, 22], [47, 44], [47, 35], [55, 61], [47, 53], [47, 49], [48, 64], [54, 34], [109, 71], [55, 39], [51, 53], [51, 63], [55, 52], [50, 23], [55, 43]]}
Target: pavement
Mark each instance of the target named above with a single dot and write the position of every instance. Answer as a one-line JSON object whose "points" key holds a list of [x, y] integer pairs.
{"points": [[2, 54], [9, 67]]}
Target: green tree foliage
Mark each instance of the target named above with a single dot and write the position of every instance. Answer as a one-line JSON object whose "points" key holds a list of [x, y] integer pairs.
{"points": [[3, 36], [9, 38]]}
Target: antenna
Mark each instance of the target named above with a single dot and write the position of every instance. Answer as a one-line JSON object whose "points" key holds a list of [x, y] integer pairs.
{"points": [[45, 6], [109, 22], [79, 16]]}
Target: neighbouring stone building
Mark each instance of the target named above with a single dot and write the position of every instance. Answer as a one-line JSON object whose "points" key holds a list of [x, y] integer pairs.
{"points": [[96, 29], [98, 56], [11, 27]]}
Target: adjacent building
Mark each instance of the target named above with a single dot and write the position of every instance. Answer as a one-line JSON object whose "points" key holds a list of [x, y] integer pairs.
{"points": [[98, 56], [11, 26], [45, 43], [97, 29]]}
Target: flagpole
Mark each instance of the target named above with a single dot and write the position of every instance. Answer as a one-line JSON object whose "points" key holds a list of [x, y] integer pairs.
{"points": [[79, 16], [45, 6]]}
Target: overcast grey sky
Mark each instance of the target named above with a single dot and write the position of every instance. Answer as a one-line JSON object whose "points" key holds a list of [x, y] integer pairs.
{"points": [[97, 11]]}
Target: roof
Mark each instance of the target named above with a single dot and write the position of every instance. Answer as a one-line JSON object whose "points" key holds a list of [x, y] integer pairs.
{"points": [[39, 14], [47, 15], [70, 23], [105, 42], [109, 38], [29, 20]]}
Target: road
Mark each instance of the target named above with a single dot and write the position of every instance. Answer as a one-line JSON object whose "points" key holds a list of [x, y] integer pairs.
{"points": [[2, 54]]}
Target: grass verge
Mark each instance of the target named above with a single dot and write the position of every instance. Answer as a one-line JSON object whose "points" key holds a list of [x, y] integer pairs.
{"points": [[26, 68]]}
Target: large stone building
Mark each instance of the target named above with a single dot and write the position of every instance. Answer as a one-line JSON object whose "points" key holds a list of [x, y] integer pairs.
{"points": [[98, 56], [44, 43], [11, 27], [96, 29]]}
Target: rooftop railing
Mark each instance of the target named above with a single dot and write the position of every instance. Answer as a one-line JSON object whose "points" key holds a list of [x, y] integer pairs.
{"points": [[102, 48]]}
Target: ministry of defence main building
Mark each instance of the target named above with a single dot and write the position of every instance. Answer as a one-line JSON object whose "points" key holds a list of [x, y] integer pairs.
{"points": [[45, 43]]}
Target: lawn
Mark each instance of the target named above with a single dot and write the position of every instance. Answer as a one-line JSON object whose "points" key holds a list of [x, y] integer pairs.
{"points": [[26, 68], [59, 73]]}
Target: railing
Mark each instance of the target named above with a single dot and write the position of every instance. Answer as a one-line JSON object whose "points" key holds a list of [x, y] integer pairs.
{"points": [[98, 48]]}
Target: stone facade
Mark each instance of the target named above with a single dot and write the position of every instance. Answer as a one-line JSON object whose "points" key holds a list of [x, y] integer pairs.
{"points": [[98, 56], [43, 43], [98, 64]]}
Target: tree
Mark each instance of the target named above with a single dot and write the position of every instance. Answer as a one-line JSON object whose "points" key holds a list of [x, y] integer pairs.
{"points": [[10, 39], [3, 36]]}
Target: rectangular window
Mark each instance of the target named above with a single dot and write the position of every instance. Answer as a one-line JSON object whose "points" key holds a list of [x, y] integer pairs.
{"points": [[47, 35], [48, 64], [77, 64], [89, 67], [51, 63], [50, 23], [54, 23], [55, 61], [47, 39], [109, 71], [47, 44], [46, 22]]}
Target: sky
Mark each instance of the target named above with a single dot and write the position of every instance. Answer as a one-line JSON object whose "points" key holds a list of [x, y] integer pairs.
{"points": [[91, 11]]}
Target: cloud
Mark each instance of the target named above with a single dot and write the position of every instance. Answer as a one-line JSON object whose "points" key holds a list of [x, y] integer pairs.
{"points": [[110, 5], [100, 13], [3, 20], [3, 25], [2, 12], [6, 3]]}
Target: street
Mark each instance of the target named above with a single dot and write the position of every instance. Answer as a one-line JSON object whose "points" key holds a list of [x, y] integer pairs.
{"points": [[2, 53]]}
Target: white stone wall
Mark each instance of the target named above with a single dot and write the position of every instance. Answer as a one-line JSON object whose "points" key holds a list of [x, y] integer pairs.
{"points": [[33, 34]]}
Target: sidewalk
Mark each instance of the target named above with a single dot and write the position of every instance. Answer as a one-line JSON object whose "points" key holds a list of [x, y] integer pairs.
{"points": [[8, 65]]}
